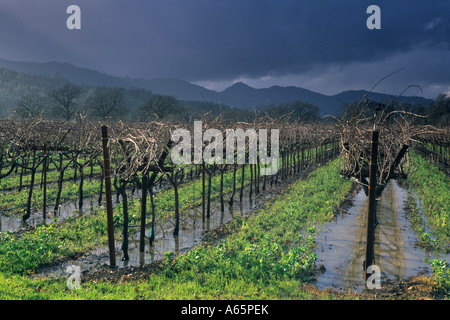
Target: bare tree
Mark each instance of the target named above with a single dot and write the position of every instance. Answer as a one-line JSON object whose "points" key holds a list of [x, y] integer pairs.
{"points": [[31, 106], [299, 111], [66, 105], [160, 105], [106, 103], [441, 110]]}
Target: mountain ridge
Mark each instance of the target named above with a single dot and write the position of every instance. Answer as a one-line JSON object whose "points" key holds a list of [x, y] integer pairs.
{"points": [[238, 95]]}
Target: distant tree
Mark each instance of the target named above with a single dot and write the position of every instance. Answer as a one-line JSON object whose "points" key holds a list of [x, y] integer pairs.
{"points": [[160, 106], [203, 107], [3, 109], [66, 101], [436, 112], [305, 111], [106, 103], [441, 109], [278, 111], [31, 106], [236, 115], [295, 111]]}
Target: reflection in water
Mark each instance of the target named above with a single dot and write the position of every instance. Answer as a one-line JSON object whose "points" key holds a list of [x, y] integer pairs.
{"points": [[65, 210], [342, 243], [192, 228]]}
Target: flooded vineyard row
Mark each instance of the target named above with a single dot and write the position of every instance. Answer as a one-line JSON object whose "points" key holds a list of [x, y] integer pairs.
{"points": [[192, 229], [342, 243]]}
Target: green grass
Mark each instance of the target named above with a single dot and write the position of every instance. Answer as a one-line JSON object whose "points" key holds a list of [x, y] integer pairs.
{"points": [[269, 256], [26, 253], [14, 202], [12, 182], [441, 274], [432, 188], [278, 243], [430, 217], [158, 288]]}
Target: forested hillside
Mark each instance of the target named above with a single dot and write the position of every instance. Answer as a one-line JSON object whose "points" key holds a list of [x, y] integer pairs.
{"points": [[54, 97]]}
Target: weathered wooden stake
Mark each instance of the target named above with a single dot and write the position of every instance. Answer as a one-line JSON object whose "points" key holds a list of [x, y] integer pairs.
{"points": [[152, 229], [143, 211], [108, 195], [30, 192], [241, 192], [371, 214], [203, 190], [44, 208], [399, 157]]}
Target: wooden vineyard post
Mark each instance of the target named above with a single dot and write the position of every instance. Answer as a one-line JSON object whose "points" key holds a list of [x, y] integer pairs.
{"points": [[108, 195], [143, 211], [203, 190], [398, 159], [44, 208], [371, 214]]}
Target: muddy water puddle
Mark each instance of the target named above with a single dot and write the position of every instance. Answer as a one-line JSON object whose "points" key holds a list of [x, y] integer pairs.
{"points": [[341, 243]]}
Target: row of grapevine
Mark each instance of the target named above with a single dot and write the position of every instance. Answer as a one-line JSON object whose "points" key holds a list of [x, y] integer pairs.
{"points": [[50, 153]]}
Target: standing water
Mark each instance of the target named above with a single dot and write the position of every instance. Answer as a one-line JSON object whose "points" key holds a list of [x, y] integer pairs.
{"points": [[192, 229], [342, 243]]}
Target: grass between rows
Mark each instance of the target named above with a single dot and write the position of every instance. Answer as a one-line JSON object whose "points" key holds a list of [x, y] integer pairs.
{"points": [[78, 234], [29, 251], [429, 203], [12, 182], [13, 201], [270, 255], [431, 188]]}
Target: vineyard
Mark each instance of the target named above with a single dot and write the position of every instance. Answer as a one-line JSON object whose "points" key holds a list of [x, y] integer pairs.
{"points": [[110, 199]]}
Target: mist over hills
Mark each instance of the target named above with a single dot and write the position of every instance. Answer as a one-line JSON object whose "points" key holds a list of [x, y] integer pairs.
{"points": [[239, 95]]}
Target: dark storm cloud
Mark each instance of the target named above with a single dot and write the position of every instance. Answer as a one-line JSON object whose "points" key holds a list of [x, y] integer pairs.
{"points": [[218, 40], [207, 39]]}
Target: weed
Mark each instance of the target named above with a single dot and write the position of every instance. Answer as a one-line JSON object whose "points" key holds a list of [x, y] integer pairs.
{"points": [[441, 274]]}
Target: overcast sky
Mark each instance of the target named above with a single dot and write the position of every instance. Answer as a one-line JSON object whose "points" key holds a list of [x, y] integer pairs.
{"points": [[321, 45]]}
